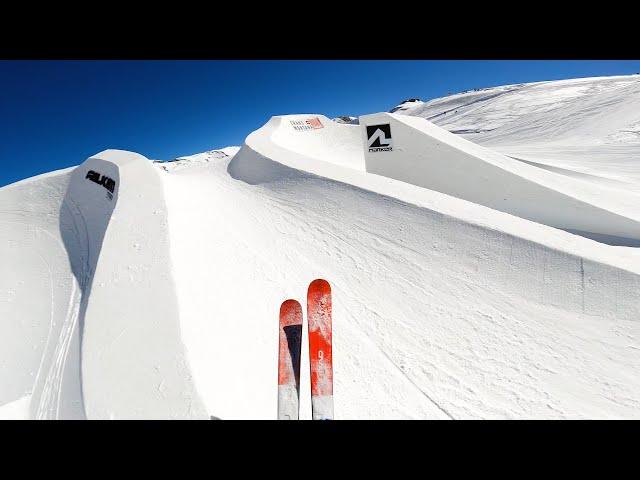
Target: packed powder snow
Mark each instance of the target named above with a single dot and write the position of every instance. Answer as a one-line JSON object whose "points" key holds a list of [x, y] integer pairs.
{"points": [[482, 252]]}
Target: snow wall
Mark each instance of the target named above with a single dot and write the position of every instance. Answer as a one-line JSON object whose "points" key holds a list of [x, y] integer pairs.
{"points": [[416, 151], [540, 263], [118, 354]]}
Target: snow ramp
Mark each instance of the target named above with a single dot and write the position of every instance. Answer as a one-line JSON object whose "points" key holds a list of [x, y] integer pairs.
{"points": [[120, 352], [416, 151]]}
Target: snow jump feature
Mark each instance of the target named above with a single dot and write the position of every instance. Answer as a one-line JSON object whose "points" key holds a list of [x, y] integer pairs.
{"points": [[415, 151], [133, 363]]}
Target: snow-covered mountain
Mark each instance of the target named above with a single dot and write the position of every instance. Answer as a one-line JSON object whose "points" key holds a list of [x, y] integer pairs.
{"points": [[587, 125], [483, 265]]}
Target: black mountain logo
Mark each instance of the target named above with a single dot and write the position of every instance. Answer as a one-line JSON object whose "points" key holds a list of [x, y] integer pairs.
{"points": [[379, 138]]}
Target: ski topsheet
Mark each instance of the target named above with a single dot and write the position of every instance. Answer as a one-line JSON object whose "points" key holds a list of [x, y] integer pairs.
{"points": [[289, 360], [319, 319]]}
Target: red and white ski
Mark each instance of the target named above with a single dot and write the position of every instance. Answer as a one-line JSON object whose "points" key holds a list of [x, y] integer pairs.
{"points": [[289, 360], [319, 319]]}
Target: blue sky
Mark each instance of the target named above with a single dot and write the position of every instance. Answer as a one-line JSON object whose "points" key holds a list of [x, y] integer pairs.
{"points": [[54, 114]]}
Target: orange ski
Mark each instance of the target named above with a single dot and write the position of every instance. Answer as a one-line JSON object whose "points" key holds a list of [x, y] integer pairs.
{"points": [[319, 319], [289, 360]]}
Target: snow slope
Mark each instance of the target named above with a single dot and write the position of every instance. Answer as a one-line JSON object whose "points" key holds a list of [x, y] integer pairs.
{"points": [[437, 313], [91, 325], [37, 286], [587, 125], [162, 301]]}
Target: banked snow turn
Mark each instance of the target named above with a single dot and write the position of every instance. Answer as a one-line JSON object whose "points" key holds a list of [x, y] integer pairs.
{"points": [[115, 351], [133, 361], [416, 151]]}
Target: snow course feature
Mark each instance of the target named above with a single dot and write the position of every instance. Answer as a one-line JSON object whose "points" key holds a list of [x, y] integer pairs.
{"points": [[423, 154], [603, 280], [83, 220], [128, 359], [418, 152]]}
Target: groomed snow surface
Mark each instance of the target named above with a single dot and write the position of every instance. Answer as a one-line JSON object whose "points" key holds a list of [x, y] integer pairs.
{"points": [[482, 251]]}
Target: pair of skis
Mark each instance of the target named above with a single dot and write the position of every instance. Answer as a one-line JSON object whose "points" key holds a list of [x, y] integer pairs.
{"points": [[320, 360]]}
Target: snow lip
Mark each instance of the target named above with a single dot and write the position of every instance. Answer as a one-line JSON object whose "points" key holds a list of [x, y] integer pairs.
{"points": [[434, 158]]}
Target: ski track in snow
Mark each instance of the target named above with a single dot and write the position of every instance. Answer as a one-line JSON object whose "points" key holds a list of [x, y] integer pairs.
{"points": [[50, 398], [49, 405], [39, 231]]}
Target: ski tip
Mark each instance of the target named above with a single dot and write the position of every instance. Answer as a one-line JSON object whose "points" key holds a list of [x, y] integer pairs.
{"points": [[320, 285], [290, 306]]}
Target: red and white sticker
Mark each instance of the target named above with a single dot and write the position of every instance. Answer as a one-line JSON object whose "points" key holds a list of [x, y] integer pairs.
{"points": [[308, 124]]}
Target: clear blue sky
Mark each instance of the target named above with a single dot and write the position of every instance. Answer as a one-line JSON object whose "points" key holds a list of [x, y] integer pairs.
{"points": [[54, 114]]}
